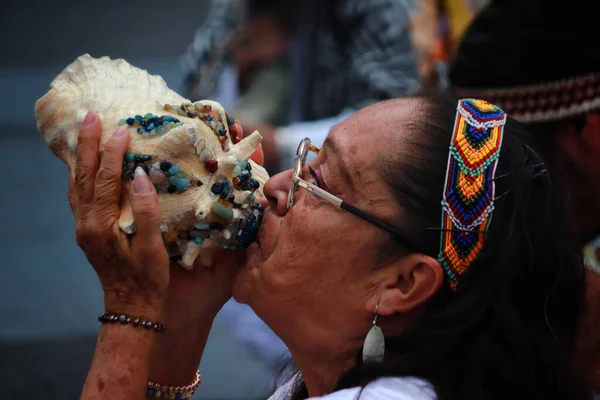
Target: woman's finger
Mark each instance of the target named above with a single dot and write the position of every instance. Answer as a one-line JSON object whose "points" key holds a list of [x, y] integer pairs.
{"points": [[86, 164], [108, 179], [146, 211], [72, 196]]}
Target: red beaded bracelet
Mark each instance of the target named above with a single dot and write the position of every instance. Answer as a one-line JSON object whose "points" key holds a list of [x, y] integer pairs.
{"points": [[137, 322]]}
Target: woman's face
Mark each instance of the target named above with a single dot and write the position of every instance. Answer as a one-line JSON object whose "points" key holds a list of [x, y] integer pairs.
{"points": [[312, 264]]}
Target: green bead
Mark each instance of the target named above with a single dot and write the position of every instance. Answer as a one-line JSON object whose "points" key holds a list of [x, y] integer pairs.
{"points": [[199, 240], [129, 156], [179, 183], [148, 116], [237, 170], [122, 121], [203, 226], [222, 211], [158, 394], [242, 164]]}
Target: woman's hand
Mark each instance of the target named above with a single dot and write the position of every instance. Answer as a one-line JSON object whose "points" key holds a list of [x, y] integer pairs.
{"points": [[133, 270]]}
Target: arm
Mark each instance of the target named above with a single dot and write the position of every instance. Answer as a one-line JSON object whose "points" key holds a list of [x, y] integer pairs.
{"points": [[382, 60], [177, 353], [121, 362], [136, 279], [193, 300]]}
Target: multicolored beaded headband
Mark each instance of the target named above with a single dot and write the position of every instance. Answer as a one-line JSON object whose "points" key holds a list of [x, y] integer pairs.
{"points": [[468, 198]]}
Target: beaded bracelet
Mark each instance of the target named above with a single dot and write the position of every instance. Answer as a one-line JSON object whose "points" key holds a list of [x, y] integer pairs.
{"points": [[159, 391], [137, 322]]}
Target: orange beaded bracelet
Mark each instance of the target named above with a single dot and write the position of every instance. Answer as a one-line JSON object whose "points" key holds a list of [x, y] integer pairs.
{"points": [[158, 391]]}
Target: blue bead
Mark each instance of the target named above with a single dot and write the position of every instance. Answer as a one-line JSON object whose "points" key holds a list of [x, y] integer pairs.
{"points": [[150, 127], [248, 166], [169, 118], [225, 185], [158, 122], [123, 319], [174, 170], [208, 119], [258, 206], [217, 226], [254, 182], [130, 121], [217, 188], [179, 183], [230, 120], [151, 392], [222, 132], [177, 396], [138, 118]]}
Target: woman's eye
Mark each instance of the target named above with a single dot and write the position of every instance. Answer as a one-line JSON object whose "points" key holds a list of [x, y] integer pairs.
{"points": [[314, 175]]}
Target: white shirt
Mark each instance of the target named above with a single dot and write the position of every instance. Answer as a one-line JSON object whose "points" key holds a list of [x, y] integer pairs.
{"points": [[392, 388]]}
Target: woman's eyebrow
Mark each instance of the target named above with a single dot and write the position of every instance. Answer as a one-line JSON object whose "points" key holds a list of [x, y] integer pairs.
{"points": [[332, 148]]}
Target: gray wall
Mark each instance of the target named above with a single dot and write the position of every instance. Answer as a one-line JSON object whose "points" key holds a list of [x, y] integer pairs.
{"points": [[49, 295]]}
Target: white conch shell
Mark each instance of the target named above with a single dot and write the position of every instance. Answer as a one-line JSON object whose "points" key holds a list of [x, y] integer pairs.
{"points": [[198, 135]]}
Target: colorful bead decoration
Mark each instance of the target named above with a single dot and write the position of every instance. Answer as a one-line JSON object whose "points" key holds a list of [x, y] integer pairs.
{"points": [[206, 114], [159, 391], [150, 125], [468, 198], [543, 102], [165, 176], [137, 322]]}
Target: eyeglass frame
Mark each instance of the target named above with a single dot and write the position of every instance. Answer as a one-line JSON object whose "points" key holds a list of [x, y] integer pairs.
{"points": [[301, 153]]}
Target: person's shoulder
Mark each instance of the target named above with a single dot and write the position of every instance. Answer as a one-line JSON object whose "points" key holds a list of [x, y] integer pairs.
{"points": [[393, 388]]}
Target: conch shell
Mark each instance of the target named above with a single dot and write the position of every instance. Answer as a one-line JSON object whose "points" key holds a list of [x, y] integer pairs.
{"points": [[207, 185]]}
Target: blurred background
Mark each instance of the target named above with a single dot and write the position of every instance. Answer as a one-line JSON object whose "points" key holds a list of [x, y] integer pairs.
{"points": [[49, 295]]}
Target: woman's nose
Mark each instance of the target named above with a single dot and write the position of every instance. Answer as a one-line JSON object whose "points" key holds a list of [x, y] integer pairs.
{"points": [[276, 191]]}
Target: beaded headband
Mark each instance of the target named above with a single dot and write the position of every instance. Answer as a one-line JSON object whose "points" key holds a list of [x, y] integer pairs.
{"points": [[468, 198]]}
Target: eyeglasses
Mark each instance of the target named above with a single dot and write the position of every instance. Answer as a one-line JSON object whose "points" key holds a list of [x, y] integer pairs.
{"points": [[301, 154]]}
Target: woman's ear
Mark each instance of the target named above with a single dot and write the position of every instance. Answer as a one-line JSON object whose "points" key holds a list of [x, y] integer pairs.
{"points": [[406, 284]]}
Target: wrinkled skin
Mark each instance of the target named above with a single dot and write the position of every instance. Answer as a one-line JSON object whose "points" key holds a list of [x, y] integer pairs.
{"points": [[316, 268]]}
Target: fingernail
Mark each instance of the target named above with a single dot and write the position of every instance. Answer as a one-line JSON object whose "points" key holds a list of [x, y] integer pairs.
{"points": [[141, 183], [120, 132], [90, 117]]}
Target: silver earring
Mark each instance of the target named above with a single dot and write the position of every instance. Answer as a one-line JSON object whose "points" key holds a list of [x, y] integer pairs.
{"points": [[374, 347]]}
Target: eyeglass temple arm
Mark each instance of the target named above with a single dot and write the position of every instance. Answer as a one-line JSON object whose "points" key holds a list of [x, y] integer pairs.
{"points": [[382, 224], [336, 201]]}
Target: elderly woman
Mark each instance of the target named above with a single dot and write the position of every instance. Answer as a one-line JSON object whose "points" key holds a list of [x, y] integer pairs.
{"points": [[373, 295]]}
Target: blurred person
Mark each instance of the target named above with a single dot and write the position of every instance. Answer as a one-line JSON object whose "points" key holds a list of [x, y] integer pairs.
{"points": [[239, 57], [538, 60], [291, 70], [374, 296], [436, 29], [342, 55]]}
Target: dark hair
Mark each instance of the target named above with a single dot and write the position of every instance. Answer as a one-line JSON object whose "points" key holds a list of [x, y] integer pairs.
{"points": [[509, 329]]}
